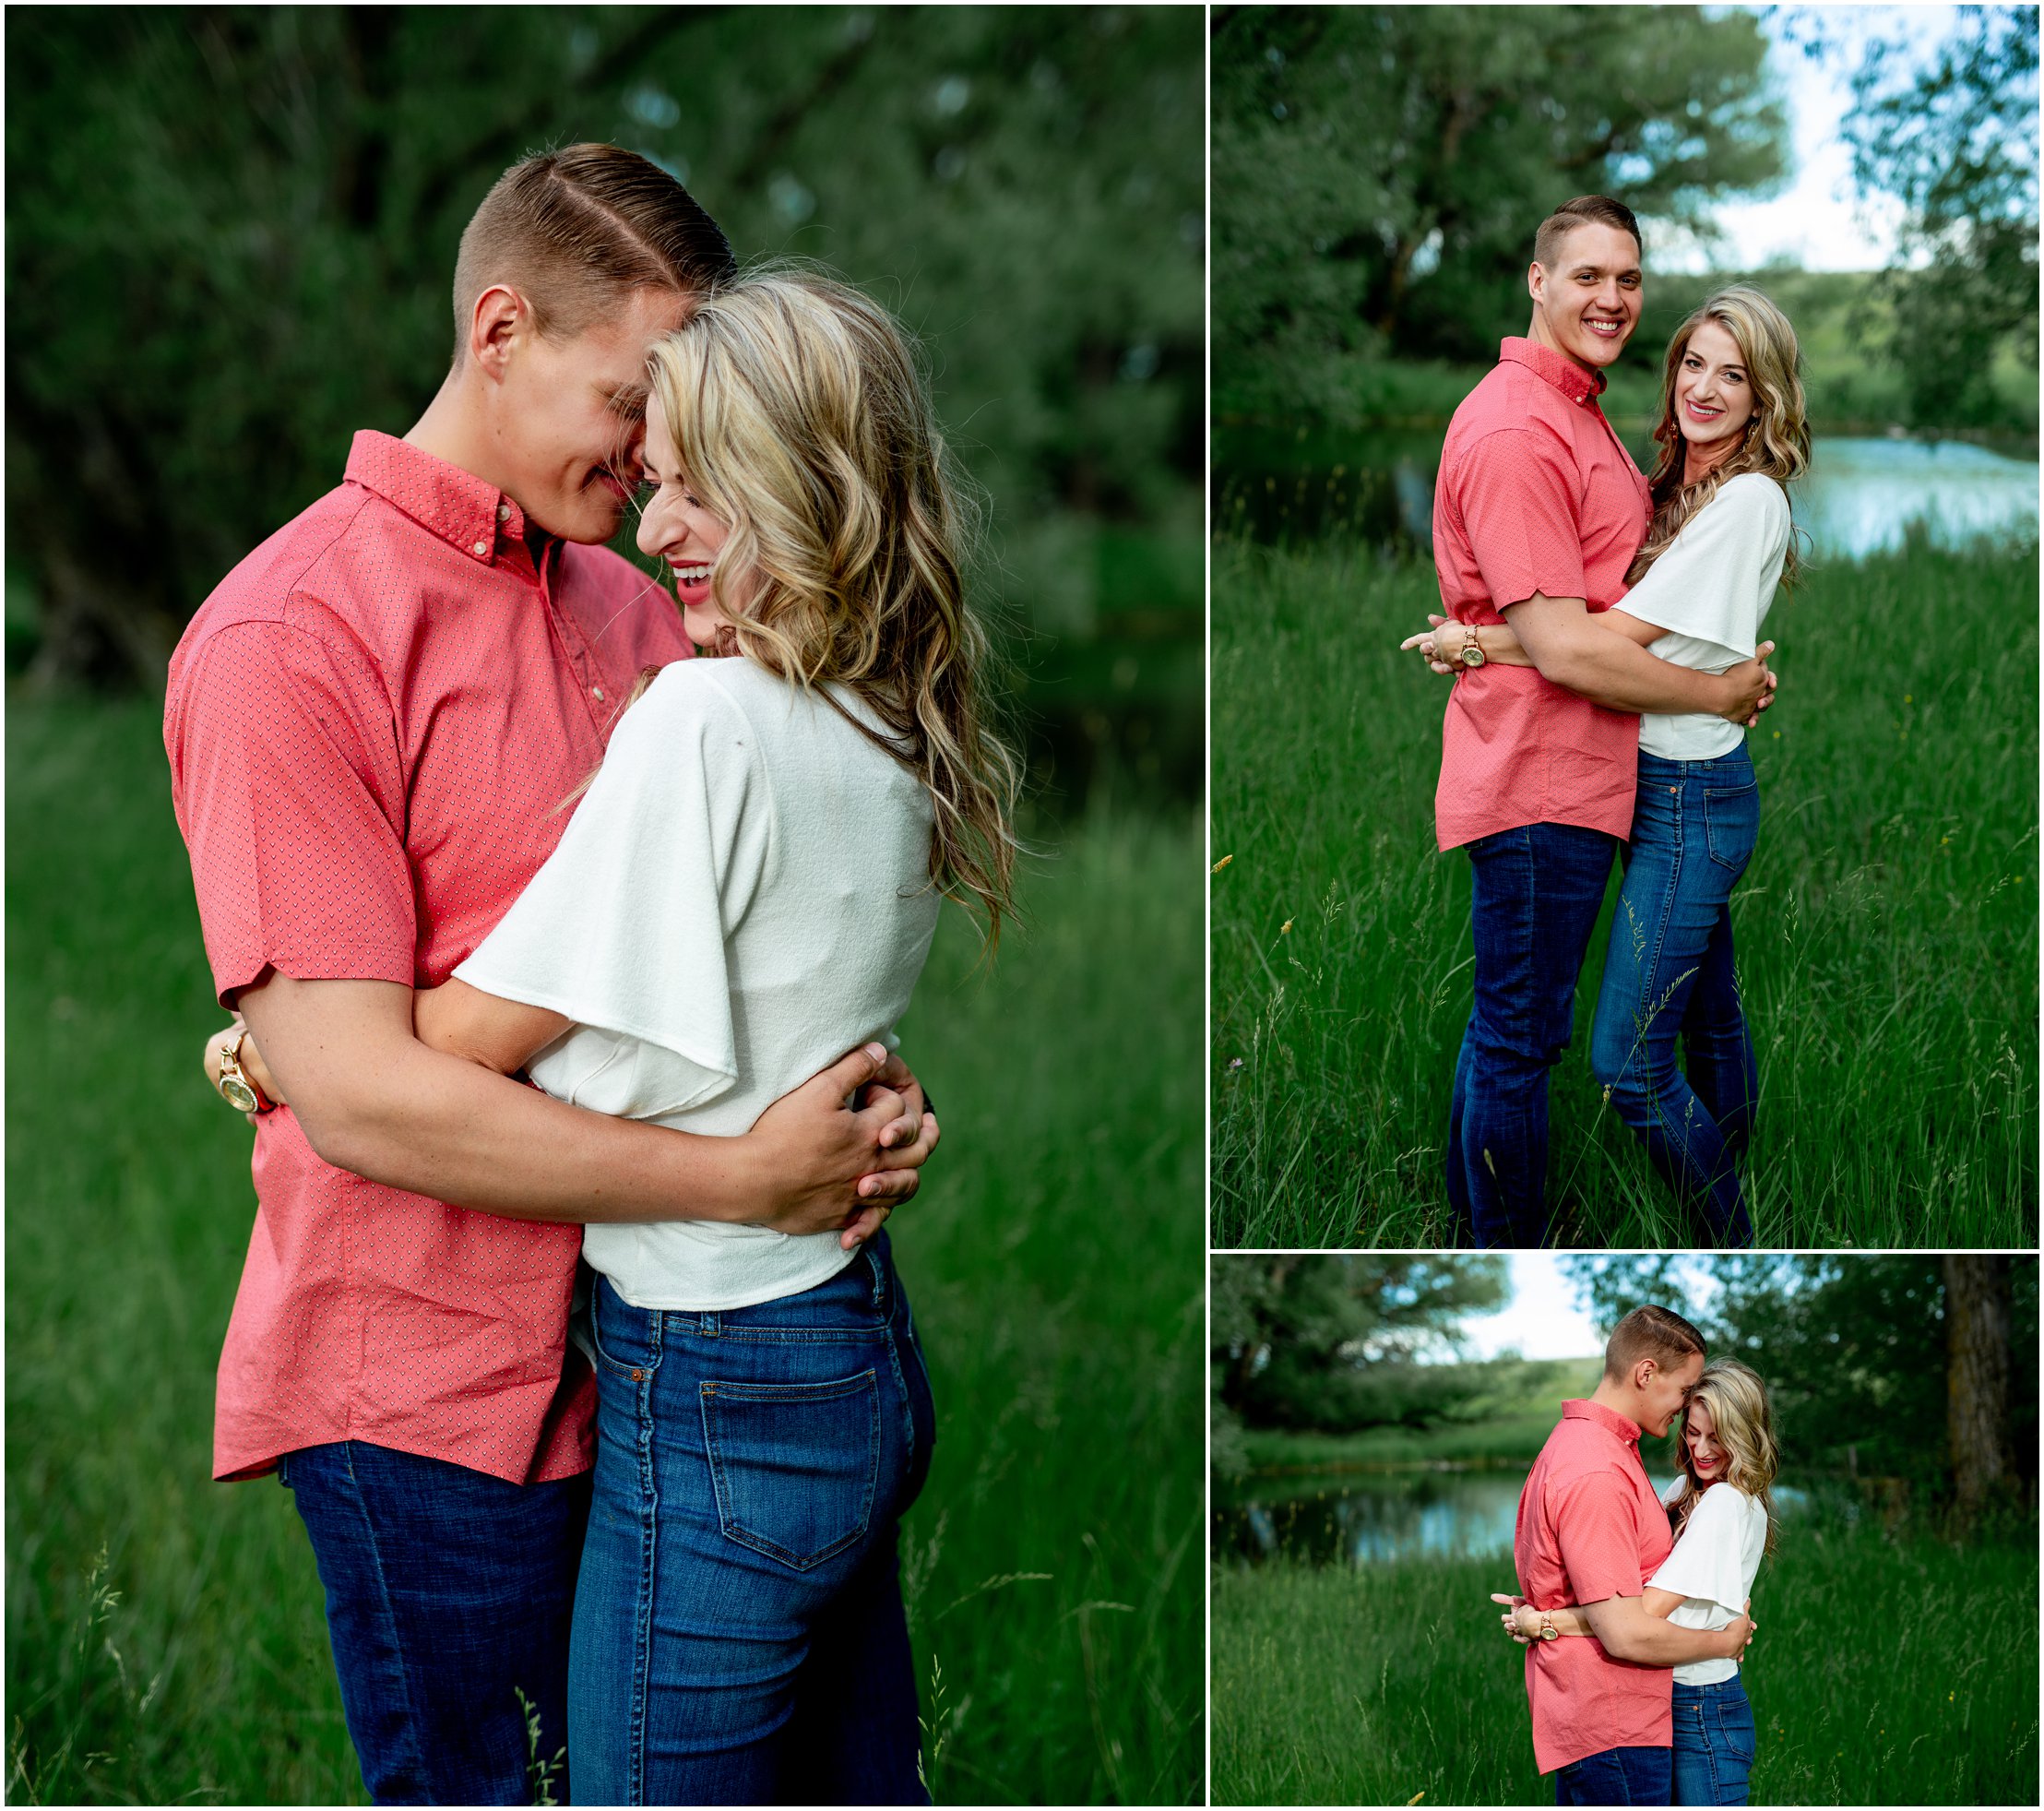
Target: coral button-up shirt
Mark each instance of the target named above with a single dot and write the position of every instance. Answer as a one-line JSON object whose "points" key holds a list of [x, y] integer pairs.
{"points": [[1536, 493], [1590, 1526], [371, 724]]}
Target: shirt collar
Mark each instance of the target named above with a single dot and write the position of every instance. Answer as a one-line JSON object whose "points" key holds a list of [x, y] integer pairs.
{"points": [[467, 512], [1565, 374], [1607, 1419]]}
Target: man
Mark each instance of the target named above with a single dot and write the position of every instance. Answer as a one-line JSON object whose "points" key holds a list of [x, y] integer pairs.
{"points": [[1591, 1533], [1537, 513], [372, 725]]}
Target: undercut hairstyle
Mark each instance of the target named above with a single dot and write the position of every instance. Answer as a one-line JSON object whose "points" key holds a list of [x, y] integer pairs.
{"points": [[575, 232], [1584, 210], [1653, 1333]]}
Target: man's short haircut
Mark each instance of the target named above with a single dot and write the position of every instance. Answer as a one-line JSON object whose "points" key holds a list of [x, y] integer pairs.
{"points": [[577, 231], [1653, 1333], [1584, 210]]}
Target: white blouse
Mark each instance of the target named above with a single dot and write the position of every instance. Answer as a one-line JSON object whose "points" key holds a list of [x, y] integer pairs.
{"points": [[741, 895], [1711, 591], [1713, 1566]]}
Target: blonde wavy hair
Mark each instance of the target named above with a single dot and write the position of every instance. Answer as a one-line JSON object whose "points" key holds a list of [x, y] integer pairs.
{"points": [[1744, 1419], [802, 416], [1776, 439]]}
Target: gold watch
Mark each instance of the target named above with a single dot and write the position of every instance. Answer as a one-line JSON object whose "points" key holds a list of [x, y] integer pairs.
{"points": [[1471, 651], [236, 1089]]}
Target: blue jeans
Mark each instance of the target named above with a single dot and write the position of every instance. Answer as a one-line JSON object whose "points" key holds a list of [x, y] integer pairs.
{"points": [[448, 1592], [1668, 971], [739, 1634], [1618, 1776], [1714, 1743], [1536, 894]]}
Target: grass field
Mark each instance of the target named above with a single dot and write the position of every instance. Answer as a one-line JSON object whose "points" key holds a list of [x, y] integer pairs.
{"points": [[164, 1636], [1887, 925], [1882, 1674]]}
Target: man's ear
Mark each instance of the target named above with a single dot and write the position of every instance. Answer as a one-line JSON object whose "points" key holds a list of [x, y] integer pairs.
{"points": [[1644, 1373], [500, 318], [1536, 279]]}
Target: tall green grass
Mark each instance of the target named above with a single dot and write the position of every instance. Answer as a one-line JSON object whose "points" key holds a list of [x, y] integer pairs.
{"points": [[1887, 928], [1884, 1672], [165, 1640]]}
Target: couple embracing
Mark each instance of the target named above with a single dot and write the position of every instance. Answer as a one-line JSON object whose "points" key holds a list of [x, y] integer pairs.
{"points": [[1603, 628], [1633, 1606], [465, 813]]}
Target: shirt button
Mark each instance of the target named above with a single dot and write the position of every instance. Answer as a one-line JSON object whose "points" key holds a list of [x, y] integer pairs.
{"points": [[482, 547], [504, 512], [596, 692]]}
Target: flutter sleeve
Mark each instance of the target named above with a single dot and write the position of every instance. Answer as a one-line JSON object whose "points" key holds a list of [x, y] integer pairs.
{"points": [[1714, 582], [1708, 1561], [623, 928]]}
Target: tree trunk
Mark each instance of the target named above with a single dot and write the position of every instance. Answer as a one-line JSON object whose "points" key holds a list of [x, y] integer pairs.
{"points": [[1977, 1334]]}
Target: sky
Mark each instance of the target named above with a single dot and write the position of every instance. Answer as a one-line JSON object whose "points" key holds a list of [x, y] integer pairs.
{"points": [[1817, 222], [1541, 1319]]}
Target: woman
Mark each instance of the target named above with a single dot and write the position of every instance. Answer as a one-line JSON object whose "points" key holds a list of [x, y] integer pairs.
{"points": [[1732, 436], [749, 887], [1724, 1519]]}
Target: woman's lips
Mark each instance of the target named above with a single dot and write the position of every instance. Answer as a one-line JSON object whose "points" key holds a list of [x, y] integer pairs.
{"points": [[691, 582]]}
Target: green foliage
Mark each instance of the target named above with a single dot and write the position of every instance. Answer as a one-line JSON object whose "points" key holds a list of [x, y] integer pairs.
{"points": [[1331, 1342], [1955, 142], [1885, 1672], [1051, 1567], [1379, 172], [1887, 931], [1853, 1348], [234, 232]]}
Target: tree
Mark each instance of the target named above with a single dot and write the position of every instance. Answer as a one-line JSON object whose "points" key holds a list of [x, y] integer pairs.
{"points": [[232, 232], [1955, 142], [1378, 171], [1861, 1356], [1336, 1339]]}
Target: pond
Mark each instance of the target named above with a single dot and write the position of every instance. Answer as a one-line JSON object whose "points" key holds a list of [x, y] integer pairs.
{"points": [[1861, 496], [1350, 1518]]}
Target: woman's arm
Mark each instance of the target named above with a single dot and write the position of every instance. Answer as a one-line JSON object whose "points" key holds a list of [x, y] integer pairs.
{"points": [[464, 1021], [1569, 1620], [1502, 647]]}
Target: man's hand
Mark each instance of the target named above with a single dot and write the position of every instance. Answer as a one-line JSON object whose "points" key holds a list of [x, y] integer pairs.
{"points": [[1748, 689], [217, 1047], [820, 1157], [1739, 1634]]}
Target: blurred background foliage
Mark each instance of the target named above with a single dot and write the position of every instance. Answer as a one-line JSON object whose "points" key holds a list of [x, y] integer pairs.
{"points": [[1378, 171], [232, 236]]}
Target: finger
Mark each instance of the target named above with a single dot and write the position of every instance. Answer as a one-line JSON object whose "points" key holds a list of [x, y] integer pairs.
{"points": [[853, 1070], [890, 1187], [897, 1076], [862, 1226], [1412, 641], [1501, 1597], [901, 1131]]}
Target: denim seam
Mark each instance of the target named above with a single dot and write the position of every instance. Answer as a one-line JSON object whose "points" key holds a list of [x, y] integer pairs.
{"points": [[414, 1758], [642, 1618]]}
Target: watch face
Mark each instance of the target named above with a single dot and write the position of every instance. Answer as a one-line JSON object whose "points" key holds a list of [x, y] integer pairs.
{"points": [[238, 1093]]}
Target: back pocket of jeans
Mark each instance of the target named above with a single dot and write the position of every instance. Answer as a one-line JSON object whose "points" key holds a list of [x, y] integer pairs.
{"points": [[795, 1466], [1731, 824]]}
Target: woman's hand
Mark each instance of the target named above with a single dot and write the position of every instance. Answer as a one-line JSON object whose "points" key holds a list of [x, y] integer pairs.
{"points": [[1429, 646]]}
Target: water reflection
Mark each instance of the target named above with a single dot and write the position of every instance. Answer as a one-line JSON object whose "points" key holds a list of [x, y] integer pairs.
{"points": [[1861, 496], [1350, 1520]]}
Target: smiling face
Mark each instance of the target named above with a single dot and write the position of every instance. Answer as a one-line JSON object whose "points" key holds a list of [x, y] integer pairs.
{"points": [[1713, 394], [1707, 1457], [680, 528], [569, 421], [1586, 302]]}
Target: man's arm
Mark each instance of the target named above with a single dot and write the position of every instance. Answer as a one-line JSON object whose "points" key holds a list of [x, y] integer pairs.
{"points": [[373, 1099], [1572, 651], [1628, 1632]]}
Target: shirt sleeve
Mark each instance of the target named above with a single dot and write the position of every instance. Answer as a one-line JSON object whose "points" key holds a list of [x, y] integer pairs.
{"points": [[288, 786], [1521, 506], [1708, 1561], [1714, 583], [1596, 1526], [623, 928]]}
